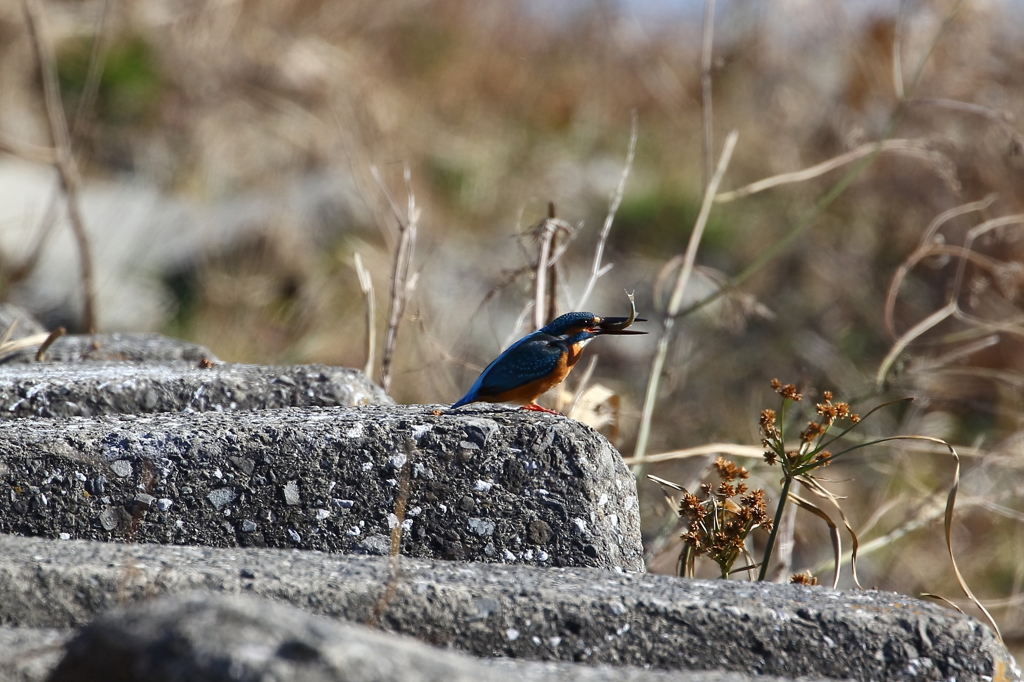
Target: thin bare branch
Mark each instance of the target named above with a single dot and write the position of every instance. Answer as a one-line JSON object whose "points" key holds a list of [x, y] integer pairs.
{"points": [[65, 160], [401, 283], [597, 269]]}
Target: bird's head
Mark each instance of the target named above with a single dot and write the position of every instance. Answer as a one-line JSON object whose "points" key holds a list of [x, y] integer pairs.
{"points": [[572, 324]]}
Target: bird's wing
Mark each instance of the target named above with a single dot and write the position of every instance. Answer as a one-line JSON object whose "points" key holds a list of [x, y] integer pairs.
{"points": [[529, 359]]}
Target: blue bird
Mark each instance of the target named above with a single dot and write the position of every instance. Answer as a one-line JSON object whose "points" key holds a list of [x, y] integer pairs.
{"points": [[541, 360]]}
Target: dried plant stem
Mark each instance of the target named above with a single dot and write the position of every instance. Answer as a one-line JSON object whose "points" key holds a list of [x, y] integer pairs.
{"points": [[658, 364], [27, 150], [545, 235], [707, 137], [64, 159], [598, 268], [860, 152], [401, 284], [366, 285]]}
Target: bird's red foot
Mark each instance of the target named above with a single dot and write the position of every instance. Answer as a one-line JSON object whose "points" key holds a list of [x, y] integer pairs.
{"points": [[534, 407]]}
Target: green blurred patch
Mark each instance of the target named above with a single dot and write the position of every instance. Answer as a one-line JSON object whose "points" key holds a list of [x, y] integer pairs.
{"points": [[447, 180], [129, 85], [659, 224]]}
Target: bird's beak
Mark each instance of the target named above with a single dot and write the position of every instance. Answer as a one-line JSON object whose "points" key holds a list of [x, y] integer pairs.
{"points": [[616, 325]]}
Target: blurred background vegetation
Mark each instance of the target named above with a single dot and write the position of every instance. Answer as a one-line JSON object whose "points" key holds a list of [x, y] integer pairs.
{"points": [[234, 141]]}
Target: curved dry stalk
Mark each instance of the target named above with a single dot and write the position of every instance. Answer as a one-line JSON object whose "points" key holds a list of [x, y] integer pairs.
{"points": [[833, 531], [905, 340], [676, 300], [1001, 119], [821, 168], [598, 269]]}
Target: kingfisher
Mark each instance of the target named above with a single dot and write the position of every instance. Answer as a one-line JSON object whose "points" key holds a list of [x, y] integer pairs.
{"points": [[542, 360]]}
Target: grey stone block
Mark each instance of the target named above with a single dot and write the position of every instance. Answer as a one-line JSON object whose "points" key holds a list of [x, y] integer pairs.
{"points": [[577, 614], [222, 639], [501, 486], [98, 388], [118, 347]]}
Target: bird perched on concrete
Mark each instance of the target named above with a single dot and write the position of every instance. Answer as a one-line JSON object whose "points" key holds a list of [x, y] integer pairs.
{"points": [[541, 360]]}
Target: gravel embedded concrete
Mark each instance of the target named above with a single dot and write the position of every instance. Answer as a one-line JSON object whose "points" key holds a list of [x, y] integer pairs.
{"points": [[136, 347], [581, 615], [498, 486], [201, 637], [105, 388]]}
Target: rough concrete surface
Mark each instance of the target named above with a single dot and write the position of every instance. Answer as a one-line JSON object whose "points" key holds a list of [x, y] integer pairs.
{"points": [[581, 615], [29, 654], [117, 347], [204, 638], [498, 486], [97, 388]]}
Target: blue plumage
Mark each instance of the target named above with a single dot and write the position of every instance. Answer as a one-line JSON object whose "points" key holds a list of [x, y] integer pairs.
{"points": [[540, 360]]}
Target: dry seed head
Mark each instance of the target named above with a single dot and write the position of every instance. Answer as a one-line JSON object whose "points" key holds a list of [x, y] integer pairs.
{"points": [[804, 578], [786, 391], [728, 471]]}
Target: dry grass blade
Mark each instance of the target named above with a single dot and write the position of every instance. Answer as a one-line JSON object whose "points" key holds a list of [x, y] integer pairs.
{"points": [[5, 337], [820, 490], [732, 449], [64, 159], [942, 599], [675, 302], [833, 530], [366, 285], [910, 146], [598, 269], [667, 484], [10, 348]]}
